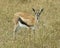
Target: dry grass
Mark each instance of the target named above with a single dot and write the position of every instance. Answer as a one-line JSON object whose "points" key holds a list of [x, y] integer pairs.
{"points": [[47, 36]]}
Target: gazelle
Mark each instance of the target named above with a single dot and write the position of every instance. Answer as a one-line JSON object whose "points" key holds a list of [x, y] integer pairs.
{"points": [[26, 20]]}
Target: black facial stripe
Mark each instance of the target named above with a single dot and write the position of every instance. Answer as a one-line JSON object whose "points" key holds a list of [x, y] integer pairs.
{"points": [[37, 18], [23, 22]]}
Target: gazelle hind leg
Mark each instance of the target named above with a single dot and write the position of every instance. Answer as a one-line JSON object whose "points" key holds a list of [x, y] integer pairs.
{"points": [[16, 28]]}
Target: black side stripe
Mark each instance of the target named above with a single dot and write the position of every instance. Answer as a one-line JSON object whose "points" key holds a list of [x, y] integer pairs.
{"points": [[23, 22]]}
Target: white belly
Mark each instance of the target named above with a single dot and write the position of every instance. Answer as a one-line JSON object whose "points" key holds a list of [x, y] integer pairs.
{"points": [[24, 26]]}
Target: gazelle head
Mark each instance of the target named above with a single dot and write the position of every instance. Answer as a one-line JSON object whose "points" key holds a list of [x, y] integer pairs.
{"points": [[37, 13]]}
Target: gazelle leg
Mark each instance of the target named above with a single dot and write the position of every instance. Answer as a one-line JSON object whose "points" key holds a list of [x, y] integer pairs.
{"points": [[16, 27]]}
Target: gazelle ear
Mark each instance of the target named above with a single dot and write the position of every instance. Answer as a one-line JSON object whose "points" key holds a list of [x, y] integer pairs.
{"points": [[41, 9], [33, 9]]}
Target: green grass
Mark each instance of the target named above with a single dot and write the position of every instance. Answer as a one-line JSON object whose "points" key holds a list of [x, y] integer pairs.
{"points": [[47, 36]]}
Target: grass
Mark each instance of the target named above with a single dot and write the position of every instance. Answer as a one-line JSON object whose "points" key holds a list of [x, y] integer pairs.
{"points": [[47, 36]]}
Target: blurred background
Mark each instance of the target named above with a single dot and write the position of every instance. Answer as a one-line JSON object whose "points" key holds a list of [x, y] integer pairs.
{"points": [[48, 34]]}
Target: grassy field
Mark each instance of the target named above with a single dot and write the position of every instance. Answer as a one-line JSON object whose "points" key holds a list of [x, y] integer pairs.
{"points": [[48, 34]]}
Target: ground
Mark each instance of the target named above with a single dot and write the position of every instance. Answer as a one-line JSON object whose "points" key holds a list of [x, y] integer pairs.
{"points": [[48, 34]]}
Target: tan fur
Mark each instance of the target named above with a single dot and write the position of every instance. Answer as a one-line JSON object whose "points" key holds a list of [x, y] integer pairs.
{"points": [[29, 19]]}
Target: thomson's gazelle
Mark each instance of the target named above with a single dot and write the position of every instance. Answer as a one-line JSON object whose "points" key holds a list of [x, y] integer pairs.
{"points": [[22, 19]]}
